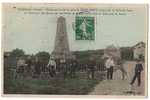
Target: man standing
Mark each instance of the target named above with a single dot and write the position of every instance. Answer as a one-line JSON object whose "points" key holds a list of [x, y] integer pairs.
{"points": [[138, 70], [20, 68], [109, 66], [37, 67], [52, 67], [73, 65], [64, 69], [29, 64], [91, 68]]}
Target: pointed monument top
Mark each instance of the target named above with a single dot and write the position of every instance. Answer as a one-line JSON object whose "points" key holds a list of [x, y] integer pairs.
{"points": [[61, 49], [61, 18]]}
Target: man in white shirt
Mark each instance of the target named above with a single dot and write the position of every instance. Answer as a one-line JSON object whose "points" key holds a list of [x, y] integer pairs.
{"points": [[52, 67], [20, 68], [109, 66]]}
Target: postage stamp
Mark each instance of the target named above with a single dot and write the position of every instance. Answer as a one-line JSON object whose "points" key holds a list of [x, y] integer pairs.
{"points": [[85, 28], [74, 49]]}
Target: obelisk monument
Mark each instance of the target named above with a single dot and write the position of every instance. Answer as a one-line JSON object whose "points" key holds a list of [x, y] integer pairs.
{"points": [[61, 47]]}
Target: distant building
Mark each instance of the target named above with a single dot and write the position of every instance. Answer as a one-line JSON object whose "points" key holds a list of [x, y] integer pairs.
{"points": [[139, 50], [112, 51]]}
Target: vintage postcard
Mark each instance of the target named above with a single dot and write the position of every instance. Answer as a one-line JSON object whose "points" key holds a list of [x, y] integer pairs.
{"points": [[74, 49]]}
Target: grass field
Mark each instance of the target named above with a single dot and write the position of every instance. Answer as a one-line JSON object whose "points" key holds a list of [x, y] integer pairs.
{"points": [[51, 86]]}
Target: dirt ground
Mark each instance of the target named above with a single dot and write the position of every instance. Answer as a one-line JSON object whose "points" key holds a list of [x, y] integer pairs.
{"points": [[117, 86]]}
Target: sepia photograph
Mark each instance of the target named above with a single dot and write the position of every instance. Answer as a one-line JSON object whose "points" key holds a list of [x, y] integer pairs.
{"points": [[74, 49]]}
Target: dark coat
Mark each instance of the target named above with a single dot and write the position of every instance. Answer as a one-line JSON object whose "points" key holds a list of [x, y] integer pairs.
{"points": [[138, 68], [37, 67]]}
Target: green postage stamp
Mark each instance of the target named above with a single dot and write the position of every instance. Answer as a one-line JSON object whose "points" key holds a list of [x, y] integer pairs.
{"points": [[85, 28]]}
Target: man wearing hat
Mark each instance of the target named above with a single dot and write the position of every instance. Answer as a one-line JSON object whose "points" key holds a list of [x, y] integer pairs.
{"points": [[109, 66], [91, 68], [138, 69], [52, 66]]}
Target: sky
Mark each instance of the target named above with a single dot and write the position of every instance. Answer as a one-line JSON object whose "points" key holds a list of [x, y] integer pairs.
{"points": [[36, 32]]}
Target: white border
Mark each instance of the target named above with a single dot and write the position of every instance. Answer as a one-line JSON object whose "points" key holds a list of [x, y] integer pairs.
{"points": [[69, 1]]}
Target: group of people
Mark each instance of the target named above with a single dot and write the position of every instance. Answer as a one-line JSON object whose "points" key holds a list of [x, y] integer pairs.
{"points": [[66, 67], [69, 68], [34, 68], [110, 64]]}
